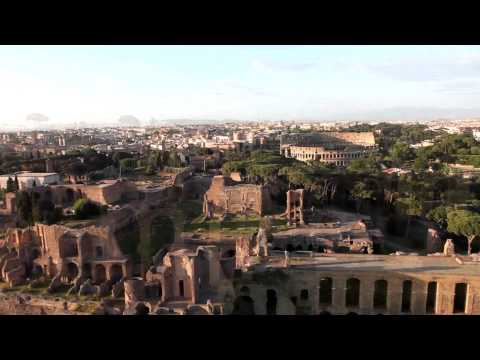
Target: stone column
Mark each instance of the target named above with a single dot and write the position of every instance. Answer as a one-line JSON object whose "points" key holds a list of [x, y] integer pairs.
{"points": [[339, 286], [193, 282], [108, 270], [394, 296], [419, 297], [366, 296], [315, 299], [289, 199], [124, 270], [445, 297]]}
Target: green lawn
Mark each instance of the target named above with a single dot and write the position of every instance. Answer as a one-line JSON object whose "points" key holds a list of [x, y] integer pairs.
{"points": [[232, 225]]}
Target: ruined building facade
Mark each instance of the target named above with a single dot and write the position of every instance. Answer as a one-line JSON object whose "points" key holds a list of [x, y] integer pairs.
{"points": [[54, 250], [294, 211], [226, 197]]}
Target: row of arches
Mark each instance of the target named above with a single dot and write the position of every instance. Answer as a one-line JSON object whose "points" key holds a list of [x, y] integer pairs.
{"points": [[244, 304], [380, 295], [98, 274]]}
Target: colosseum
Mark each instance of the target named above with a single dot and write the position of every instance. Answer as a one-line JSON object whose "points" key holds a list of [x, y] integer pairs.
{"points": [[338, 148]]}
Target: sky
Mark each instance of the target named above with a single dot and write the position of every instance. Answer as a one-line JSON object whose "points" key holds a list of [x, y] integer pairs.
{"points": [[99, 84]]}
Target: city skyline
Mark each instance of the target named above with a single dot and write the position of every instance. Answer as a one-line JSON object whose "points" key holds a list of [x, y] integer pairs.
{"points": [[62, 85]]}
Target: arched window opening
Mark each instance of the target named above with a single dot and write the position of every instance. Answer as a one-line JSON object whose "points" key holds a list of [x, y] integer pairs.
{"points": [[325, 291], [271, 302], [352, 295], [460, 300], [407, 296], [431, 297], [380, 294]]}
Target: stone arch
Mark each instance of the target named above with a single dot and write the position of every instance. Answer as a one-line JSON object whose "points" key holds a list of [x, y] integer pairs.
{"points": [[325, 291], [304, 295], [70, 195], [271, 304], [352, 294], [87, 270], [406, 296], [229, 253], [244, 304], [98, 252], [303, 305], [142, 309], [116, 272], [68, 245], [72, 271], [100, 275], [431, 303], [460, 298], [380, 294]]}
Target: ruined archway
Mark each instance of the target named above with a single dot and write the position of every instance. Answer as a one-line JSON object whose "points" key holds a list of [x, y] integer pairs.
{"points": [[100, 274], [352, 294], [87, 270], [406, 296], [244, 304], [431, 303], [380, 294], [229, 253], [68, 245], [72, 271], [116, 273], [325, 291], [271, 302], [460, 299], [142, 309]]}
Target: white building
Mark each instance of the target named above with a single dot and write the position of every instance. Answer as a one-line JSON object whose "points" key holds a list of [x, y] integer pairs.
{"points": [[27, 179], [476, 135]]}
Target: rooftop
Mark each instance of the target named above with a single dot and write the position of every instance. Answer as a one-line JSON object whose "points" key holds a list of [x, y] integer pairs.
{"points": [[408, 264]]}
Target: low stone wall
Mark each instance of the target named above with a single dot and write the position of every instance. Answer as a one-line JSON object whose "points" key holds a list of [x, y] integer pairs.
{"points": [[13, 304]]}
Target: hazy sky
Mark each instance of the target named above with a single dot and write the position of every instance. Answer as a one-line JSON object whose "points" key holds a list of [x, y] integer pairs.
{"points": [[101, 83]]}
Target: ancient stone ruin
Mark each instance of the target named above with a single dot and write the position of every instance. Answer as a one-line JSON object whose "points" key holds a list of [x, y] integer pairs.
{"points": [[228, 197], [294, 210]]}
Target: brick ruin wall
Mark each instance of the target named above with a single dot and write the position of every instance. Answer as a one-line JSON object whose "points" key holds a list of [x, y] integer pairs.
{"points": [[101, 194], [225, 196]]}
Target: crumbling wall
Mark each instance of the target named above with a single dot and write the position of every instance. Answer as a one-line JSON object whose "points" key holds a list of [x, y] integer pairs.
{"points": [[226, 197], [295, 201]]}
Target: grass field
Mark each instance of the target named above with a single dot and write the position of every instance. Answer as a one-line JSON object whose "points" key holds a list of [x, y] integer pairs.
{"points": [[189, 217]]}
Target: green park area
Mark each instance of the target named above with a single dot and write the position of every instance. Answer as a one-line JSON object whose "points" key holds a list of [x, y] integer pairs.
{"points": [[188, 217]]}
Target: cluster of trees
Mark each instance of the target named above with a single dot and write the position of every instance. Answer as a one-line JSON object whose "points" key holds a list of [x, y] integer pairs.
{"points": [[32, 208], [155, 160], [91, 162], [85, 209], [457, 221], [363, 186]]}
